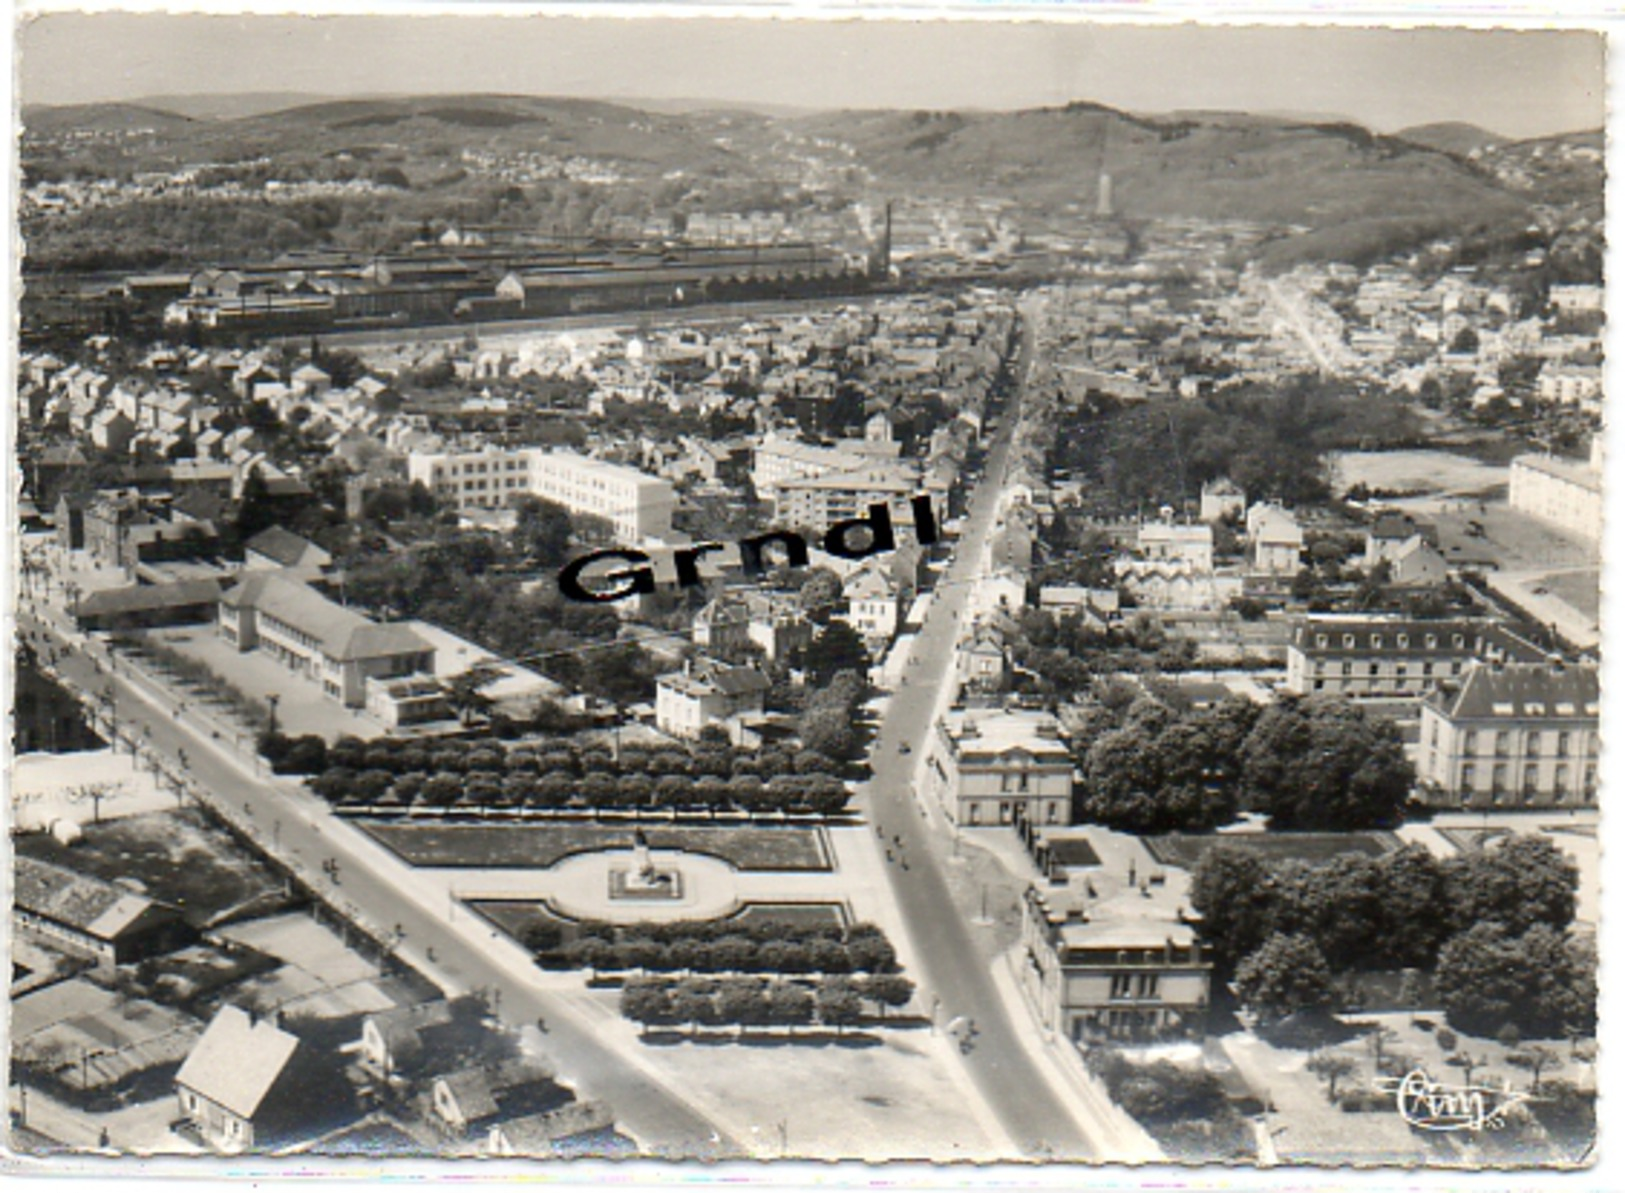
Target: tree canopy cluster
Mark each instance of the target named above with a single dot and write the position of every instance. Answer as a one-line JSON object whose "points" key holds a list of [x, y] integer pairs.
{"points": [[475, 584], [1060, 657], [756, 1003], [561, 773], [1318, 763], [1184, 1108], [718, 946], [1491, 923], [829, 721], [1151, 769], [1269, 440]]}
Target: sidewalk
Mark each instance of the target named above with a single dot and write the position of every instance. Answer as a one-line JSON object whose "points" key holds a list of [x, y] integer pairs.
{"points": [[1119, 1138]]}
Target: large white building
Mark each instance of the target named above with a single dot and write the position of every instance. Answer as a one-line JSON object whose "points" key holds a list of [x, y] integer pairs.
{"points": [[813, 485], [1166, 540], [637, 505], [988, 767], [1112, 969], [818, 502], [1566, 493], [1387, 657], [1513, 735]]}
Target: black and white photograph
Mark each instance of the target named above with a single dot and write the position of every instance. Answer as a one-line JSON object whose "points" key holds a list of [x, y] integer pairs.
{"points": [[724, 586]]}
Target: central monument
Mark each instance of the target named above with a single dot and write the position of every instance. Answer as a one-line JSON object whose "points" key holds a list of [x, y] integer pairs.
{"points": [[643, 879]]}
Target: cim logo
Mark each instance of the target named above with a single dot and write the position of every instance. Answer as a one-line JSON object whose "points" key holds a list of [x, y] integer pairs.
{"points": [[1433, 1106]]}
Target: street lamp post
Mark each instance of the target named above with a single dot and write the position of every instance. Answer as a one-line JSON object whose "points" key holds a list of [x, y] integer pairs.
{"points": [[271, 701]]}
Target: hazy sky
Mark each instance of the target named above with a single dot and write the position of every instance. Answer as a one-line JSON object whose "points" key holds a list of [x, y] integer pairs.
{"points": [[1515, 82]]}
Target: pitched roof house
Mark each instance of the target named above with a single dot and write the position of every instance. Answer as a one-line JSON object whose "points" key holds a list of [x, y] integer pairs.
{"points": [[294, 556], [85, 916], [240, 1086]]}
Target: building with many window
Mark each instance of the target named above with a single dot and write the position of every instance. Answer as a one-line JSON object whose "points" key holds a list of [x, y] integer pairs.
{"points": [[1392, 658], [638, 506], [1512, 735], [992, 767], [327, 644], [1110, 969], [1565, 493]]}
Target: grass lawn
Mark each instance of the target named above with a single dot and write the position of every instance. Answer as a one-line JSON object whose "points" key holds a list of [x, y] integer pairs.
{"points": [[791, 913], [177, 856], [1458, 472], [1073, 851], [538, 846], [1184, 851]]}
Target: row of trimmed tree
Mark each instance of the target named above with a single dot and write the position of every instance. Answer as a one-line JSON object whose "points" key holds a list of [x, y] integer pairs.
{"points": [[746, 1003], [822, 795], [722, 948], [712, 756]]}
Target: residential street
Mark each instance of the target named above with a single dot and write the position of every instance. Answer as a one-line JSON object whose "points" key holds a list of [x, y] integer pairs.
{"points": [[953, 968]]}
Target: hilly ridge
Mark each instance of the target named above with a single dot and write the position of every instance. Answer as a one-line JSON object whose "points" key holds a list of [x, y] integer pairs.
{"points": [[1332, 187], [1263, 169]]}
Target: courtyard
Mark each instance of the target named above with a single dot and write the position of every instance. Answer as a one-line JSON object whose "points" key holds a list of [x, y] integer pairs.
{"points": [[301, 708]]}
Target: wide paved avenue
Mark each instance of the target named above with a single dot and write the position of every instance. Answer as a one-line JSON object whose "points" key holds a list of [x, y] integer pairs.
{"points": [[954, 968]]}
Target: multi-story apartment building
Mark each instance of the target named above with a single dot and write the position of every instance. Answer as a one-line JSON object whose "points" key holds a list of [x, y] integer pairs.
{"points": [[638, 506], [1112, 969], [1512, 735], [1392, 658], [816, 502], [124, 528], [480, 478], [989, 767], [327, 644], [1565, 493]]}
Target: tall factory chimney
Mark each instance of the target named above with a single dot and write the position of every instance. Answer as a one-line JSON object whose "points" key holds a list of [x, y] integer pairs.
{"points": [[1103, 203], [880, 259]]}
